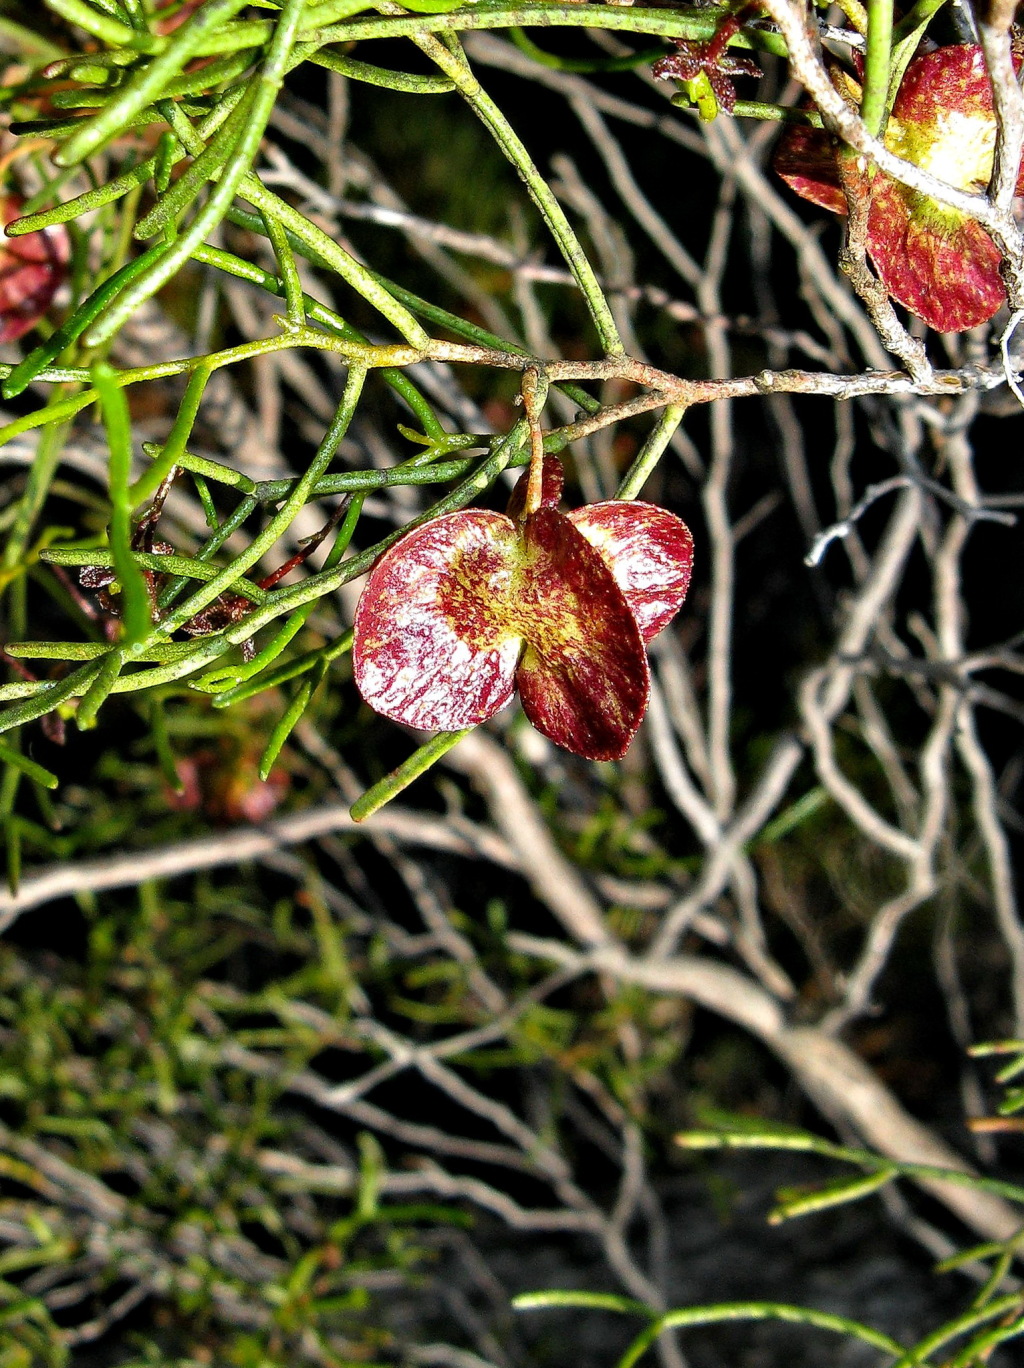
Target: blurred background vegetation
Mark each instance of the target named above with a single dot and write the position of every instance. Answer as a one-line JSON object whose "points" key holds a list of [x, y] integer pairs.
{"points": [[278, 1091]]}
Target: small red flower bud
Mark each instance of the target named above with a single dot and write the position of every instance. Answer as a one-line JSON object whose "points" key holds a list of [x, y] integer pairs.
{"points": [[713, 60]]}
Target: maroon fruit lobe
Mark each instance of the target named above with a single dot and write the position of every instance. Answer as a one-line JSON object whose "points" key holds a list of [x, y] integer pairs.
{"points": [[32, 269], [650, 555], [472, 606], [937, 262]]}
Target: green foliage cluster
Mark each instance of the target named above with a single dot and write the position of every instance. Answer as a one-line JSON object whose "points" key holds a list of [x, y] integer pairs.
{"points": [[148, 1150], [166, 1140], [993, 1317]]}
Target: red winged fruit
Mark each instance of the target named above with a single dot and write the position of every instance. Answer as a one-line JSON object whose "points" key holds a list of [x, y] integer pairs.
{"points": [[468, 608], [934, 260]]}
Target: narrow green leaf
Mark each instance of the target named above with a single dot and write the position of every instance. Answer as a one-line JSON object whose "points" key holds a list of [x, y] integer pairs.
{"points": [[382, 76], [959, 1325], [174, 202], [291, 627], [756, 1311], [287, 270], [795, 815], [651, 452], [136, 614], [593, 1301], [418, 763], [205, 498], [46, 696], [92, 650], [843, 1190], [280, 523], [101, 26], [100, 688], [151, 560], [202, 465], [874, 100], [146, 485], [10, 756], [84, 203], [162, 745], [287, 723]]}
